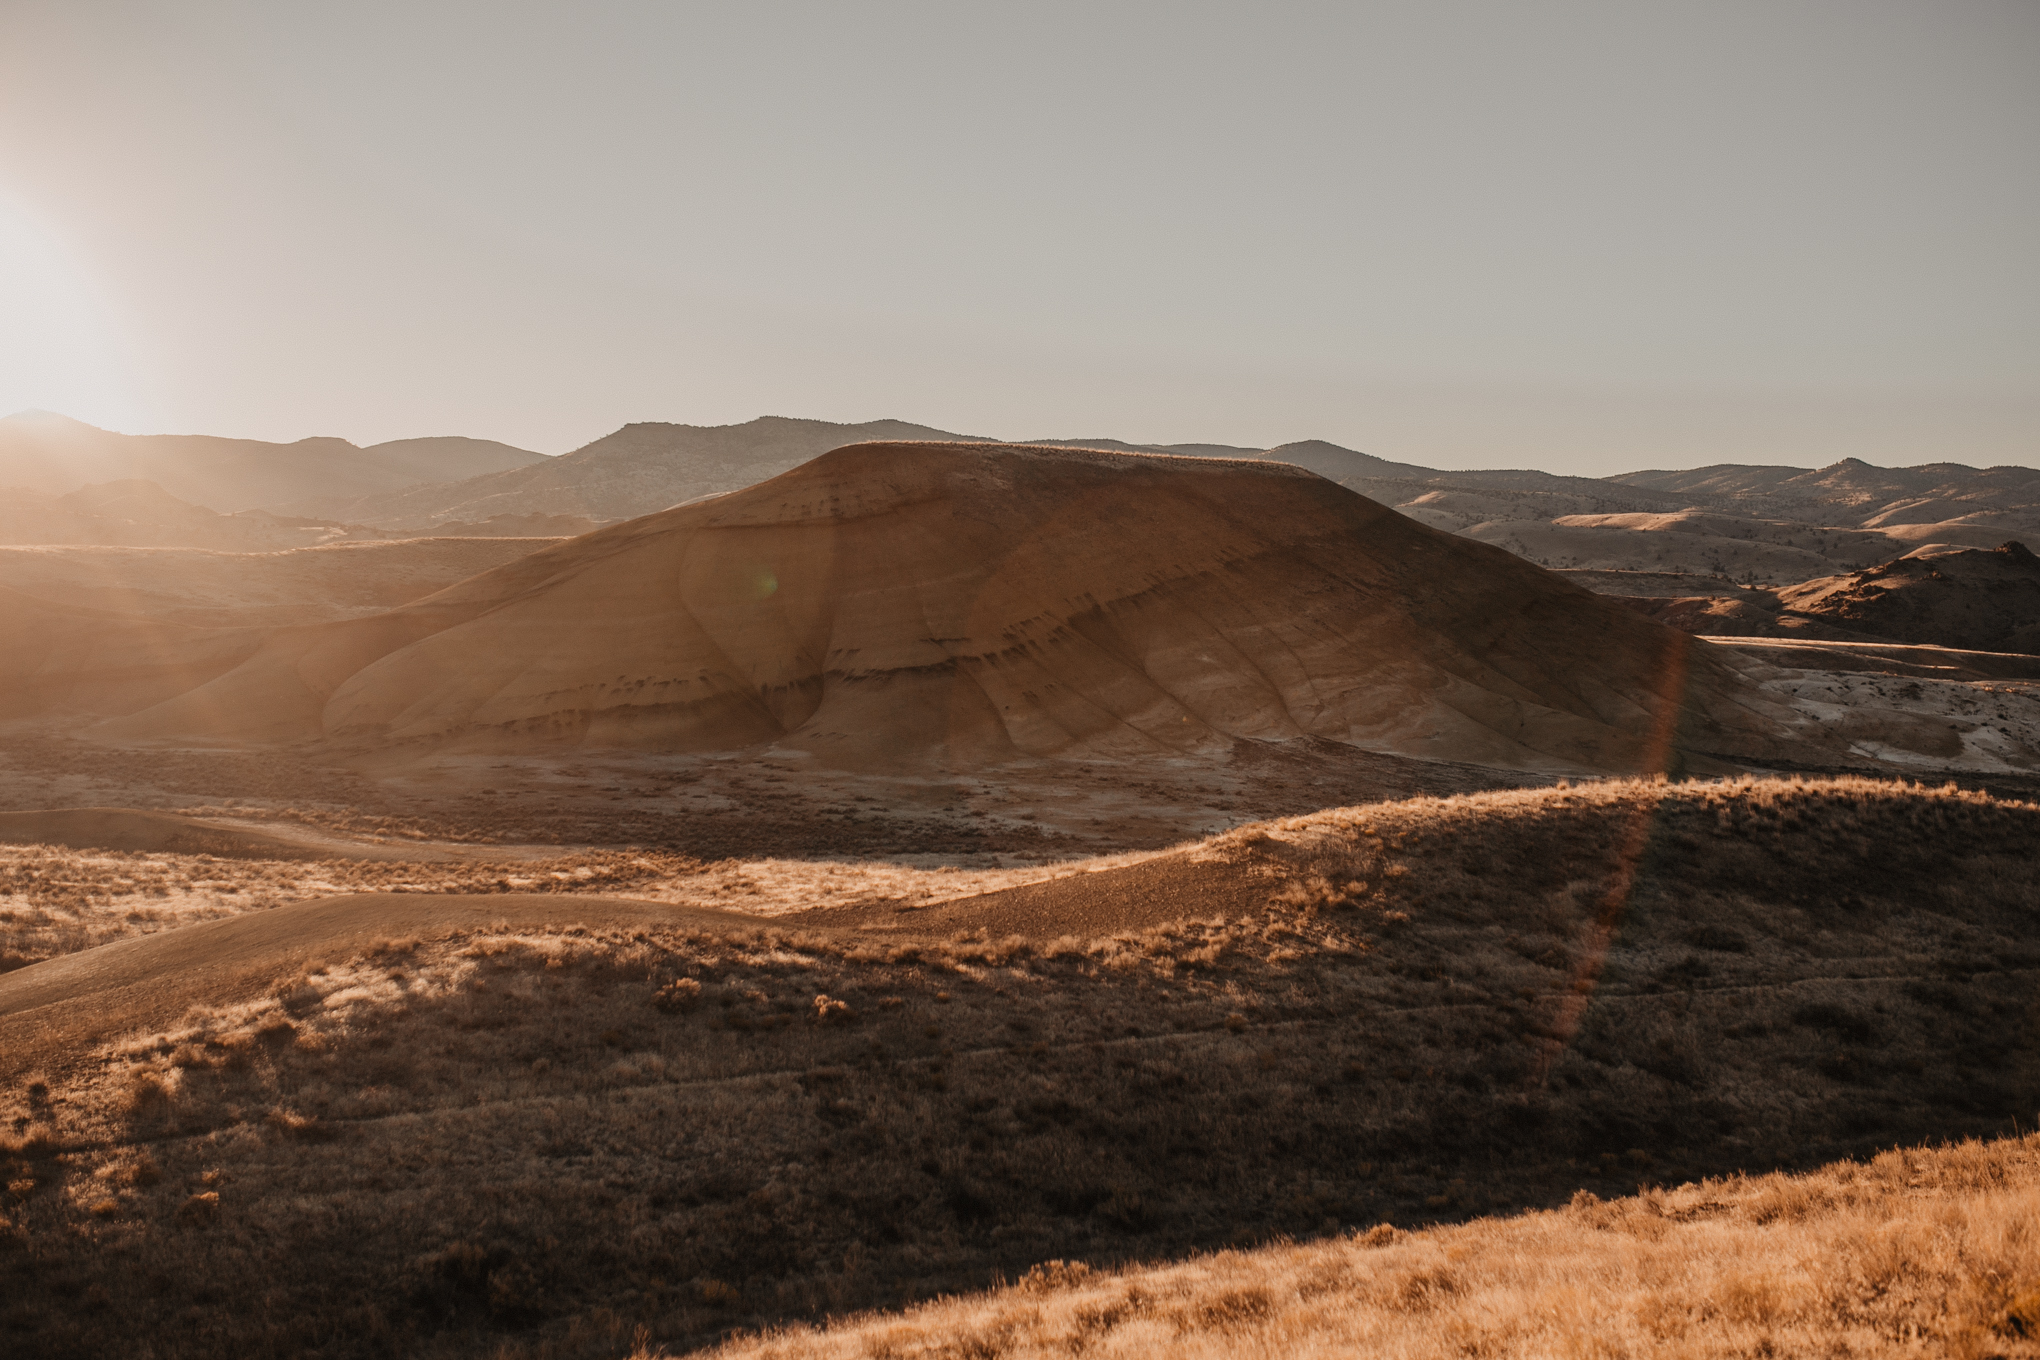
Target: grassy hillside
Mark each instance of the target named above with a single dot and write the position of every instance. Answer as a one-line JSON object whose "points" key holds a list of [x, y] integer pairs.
{"points": [[1921, 1252], [513, 1139]]}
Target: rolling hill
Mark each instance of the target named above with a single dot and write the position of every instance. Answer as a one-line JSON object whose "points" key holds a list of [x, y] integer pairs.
{"points": [[139, 514], [55, 455], [212, 589], [1965, 599], [1854, 492], [637, 470], [514, 1123], [1984, 601], [1770, 525], [1777, 525], [967, 604]]}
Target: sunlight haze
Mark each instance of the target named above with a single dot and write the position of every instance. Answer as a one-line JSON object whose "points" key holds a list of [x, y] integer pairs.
{"points": [[1588, 238]]}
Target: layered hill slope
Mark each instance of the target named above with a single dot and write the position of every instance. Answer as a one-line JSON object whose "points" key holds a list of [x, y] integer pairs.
{"points": [[235, 589], [638, 470], [56, 455], [964, 604], [64, 658]]}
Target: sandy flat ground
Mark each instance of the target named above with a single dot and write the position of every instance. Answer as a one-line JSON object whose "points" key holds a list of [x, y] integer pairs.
{"points": [[1922, 725]]}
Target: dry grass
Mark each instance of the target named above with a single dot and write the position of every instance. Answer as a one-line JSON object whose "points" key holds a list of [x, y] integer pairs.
{"points": [[779, 887], [55, 900], [532, 1144], [1924, 1252], [381, 828]]}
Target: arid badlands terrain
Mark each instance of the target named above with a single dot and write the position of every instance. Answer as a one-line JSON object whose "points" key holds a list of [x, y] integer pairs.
{"points": [[811, 890]]}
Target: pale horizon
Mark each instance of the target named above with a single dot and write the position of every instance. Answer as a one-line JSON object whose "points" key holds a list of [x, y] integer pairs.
{"points": [[1001, 436], [1588, 239]]}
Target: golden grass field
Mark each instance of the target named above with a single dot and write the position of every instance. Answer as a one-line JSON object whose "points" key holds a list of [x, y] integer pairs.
{"points": [[56, 900], [532, 1137], [1915, 1252]]}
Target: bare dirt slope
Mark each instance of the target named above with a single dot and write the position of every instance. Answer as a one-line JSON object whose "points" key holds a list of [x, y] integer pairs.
{"points": [[140, 514], [64, 656], [1977, 601], [134, 829], [1747, 614], [1653, 584], [224, 589], [965, 604], [1963, 599]]}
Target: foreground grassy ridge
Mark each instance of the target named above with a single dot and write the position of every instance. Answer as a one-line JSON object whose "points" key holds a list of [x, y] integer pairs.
{"points": [[55, 900], [534, 1143], [1927, 1252], [1774, 966]]}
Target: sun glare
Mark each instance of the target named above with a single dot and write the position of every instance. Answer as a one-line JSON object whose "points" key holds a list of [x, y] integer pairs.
{"points": [[60, 346]]}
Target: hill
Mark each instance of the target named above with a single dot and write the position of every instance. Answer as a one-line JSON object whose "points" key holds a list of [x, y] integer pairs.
{"points": [[638, 470], [137, 514], [962, 605], [1770, 525], [1735, 1265], [1694, 541], [1983, 601], [1961, 599], [54, 455], [140, 514], [520, 1125], [215, 589], [1776, 525], [1854, 492]]}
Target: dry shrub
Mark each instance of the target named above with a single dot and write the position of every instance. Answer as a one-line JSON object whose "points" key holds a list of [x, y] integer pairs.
{"points": [[1049, 1276]]}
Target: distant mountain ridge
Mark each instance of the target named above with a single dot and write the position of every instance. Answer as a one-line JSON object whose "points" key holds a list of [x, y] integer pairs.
{"points": [[139, 514], [1872, 496], [55, 455], [640, 469], [1749, 523]]}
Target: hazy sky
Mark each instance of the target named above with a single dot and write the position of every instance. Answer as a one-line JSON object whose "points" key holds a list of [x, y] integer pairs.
{"points": [[1587, 237]]}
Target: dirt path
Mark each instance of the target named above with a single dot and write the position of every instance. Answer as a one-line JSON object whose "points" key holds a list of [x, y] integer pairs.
{"points": [[1132, 897], [51, 1013], [136, 829]]}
